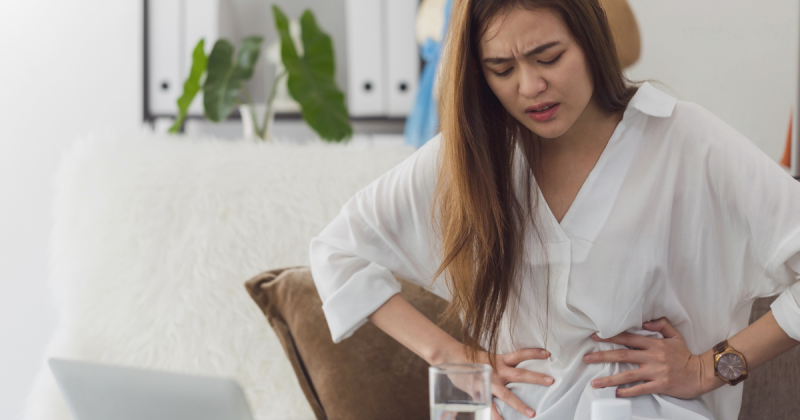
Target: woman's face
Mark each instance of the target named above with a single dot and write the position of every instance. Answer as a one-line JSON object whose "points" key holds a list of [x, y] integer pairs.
{"points": [[530, 60]]}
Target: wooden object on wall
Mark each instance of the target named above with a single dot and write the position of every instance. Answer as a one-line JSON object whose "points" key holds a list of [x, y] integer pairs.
{"points": [[624, 30]]}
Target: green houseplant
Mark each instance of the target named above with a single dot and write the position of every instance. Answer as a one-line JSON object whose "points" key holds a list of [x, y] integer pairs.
{"points": [[310, 79]]}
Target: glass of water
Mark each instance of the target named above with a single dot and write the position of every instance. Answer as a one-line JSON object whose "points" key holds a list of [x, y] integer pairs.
{"points": [[460, 391]]}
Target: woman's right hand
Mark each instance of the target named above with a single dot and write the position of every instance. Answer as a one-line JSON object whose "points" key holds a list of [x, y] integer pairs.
{"points": [[415, 331], [507, 371]]}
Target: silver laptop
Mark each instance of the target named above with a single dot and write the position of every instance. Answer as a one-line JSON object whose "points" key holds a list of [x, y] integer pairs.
{"points": [[105, 392]]}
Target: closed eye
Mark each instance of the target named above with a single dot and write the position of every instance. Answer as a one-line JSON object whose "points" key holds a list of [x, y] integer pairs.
{"points": [[505, 73], [552, 61]]}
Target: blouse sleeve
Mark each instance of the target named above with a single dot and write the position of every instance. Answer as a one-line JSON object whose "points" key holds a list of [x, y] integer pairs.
{"points": [[760, 204], [382, 232]]}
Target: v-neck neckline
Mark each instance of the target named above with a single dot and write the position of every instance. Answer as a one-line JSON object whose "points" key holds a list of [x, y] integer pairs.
{"points": [[601, 160], [566, 224]]}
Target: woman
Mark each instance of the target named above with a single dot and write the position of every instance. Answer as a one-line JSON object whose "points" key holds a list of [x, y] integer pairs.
{"points": [[595, 238]]}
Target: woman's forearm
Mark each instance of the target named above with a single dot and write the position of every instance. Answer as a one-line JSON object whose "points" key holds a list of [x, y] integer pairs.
{"points": [[760, 342], [415, 331]]}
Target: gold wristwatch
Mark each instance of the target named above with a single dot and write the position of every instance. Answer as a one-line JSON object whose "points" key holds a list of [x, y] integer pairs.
{"points": [[729, 364]]}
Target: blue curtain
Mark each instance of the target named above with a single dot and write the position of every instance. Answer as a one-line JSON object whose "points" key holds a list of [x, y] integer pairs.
{"points": [[422, 122]]}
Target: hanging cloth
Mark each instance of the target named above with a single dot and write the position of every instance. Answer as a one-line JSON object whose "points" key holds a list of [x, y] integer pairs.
{"points": [[422, 122]]}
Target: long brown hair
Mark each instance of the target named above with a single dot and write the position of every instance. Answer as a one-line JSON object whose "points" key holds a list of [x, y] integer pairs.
{"points": [[480, 221]]}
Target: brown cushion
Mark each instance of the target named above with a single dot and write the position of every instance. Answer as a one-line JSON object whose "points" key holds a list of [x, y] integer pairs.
{"points": [[366, 376], [772, 390]]}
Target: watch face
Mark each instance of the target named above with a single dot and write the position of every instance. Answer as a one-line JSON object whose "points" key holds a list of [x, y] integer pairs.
{"points": [[730, 366]]}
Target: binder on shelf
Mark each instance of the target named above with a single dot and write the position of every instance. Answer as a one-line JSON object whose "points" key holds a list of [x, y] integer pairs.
{"points": [[174, 28], [165, 82], [401, 56], [366, 93]]}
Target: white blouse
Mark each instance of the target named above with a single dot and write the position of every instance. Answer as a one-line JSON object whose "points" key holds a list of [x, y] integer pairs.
{"points": [[682, 217]]}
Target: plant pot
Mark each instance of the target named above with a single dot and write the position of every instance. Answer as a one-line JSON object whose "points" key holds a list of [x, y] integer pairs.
{"points": [[248, 129]]}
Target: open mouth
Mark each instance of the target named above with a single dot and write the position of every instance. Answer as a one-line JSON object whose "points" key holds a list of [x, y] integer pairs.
{"points": [[544, 109], [543, 114]]}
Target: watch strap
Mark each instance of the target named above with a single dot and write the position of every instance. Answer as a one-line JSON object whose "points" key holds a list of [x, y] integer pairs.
{"points": [[737, 380], [719, 348]]}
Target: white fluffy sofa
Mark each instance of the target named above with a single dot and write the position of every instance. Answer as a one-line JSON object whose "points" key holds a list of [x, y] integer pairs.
{"points": [[155, 236]]}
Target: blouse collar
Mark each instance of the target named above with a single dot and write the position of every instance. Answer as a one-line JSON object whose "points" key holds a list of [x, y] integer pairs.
{"points": [[652, 101]]}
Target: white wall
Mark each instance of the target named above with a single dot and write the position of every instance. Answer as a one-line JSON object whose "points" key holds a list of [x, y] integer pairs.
{"points": [[70, 68], [66, 68], [737, 58]]}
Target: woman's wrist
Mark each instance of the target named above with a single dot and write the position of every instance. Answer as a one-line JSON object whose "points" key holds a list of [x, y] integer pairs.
{"points": [[709, 381], [403, 322], [452, 351]]}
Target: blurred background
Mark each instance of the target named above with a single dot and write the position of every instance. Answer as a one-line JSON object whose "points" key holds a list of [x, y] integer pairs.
{"points": [[70, 69]]}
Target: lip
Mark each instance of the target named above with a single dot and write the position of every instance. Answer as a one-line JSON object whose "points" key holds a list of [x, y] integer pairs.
{"points": [[532, 108], [542, 116]]}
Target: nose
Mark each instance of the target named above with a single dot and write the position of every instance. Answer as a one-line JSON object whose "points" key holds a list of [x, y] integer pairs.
{"points": [[531, 83]]}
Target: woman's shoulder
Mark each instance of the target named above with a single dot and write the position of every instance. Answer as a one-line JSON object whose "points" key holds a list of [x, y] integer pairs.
{"points": [[667, 115], [702, 141], [431, 147], [694, 127], [692, 114], [414, 175], [690, 117]]}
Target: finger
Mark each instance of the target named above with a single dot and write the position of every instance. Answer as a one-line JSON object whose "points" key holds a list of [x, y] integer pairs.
{"points": [[663, 326], [505, 395], [641, 389], [620, 379], [496, 414], [618, 356], [519, 356], [526, 376], [627, 339]]}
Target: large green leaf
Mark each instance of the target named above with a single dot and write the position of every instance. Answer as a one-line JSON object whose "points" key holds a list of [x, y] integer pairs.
{"points": [[226, 77], [311, 81], [192, 84]]}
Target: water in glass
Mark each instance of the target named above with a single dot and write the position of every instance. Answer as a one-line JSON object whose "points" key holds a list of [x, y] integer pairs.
{"points": [[464, 411]]}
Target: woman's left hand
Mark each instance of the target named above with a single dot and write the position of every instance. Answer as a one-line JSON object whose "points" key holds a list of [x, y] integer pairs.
{"points": [[665, 364]]}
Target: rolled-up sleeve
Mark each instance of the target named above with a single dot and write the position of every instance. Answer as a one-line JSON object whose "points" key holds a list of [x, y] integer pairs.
{"points": [[778, 225], [786, 311], [786, 264], [383, 231]]}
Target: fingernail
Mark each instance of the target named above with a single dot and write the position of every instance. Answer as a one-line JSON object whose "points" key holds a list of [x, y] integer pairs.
{"points": [[588, 358], [548, 380], [595, 383], [529, 412], [547, 353]]}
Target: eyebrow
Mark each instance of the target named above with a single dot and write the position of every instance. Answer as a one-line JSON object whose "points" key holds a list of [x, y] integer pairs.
{"points": [[537, 50]]}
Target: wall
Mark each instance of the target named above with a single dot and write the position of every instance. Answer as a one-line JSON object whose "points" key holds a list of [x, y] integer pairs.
{"points": [[73, 68], [736, 58], [67, 68]]}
